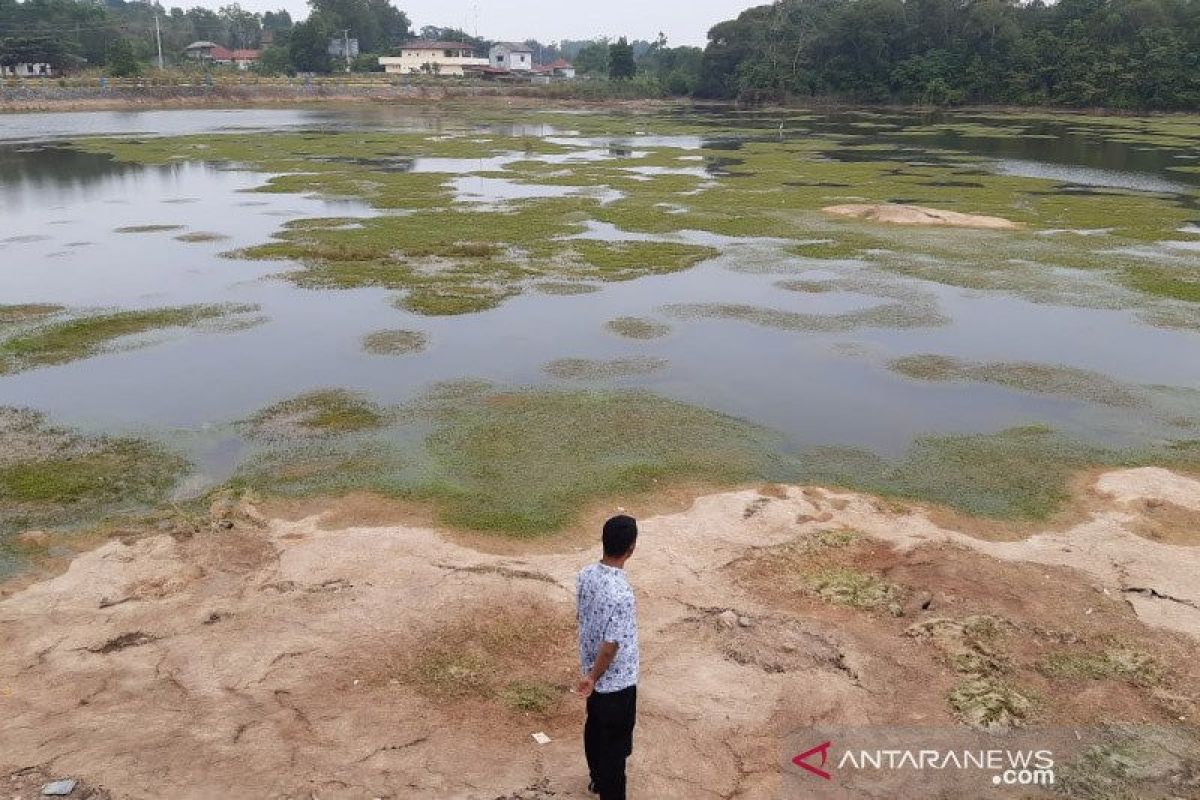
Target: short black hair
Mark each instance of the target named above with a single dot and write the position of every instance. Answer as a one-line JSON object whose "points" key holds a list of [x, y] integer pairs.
{"points": [[620, 533]]}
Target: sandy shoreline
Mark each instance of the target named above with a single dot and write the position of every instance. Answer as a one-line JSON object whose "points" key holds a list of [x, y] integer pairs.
{"points": [[303, 658]]}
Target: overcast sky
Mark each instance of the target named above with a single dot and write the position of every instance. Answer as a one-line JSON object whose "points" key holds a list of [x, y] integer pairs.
{"points": [[684, 21]]}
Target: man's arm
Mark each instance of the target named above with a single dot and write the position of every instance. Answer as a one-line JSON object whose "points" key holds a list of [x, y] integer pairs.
{"points": [[605, 656]]}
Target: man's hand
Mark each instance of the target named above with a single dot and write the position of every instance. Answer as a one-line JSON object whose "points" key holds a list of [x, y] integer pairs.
{"points": [[586, 686]]}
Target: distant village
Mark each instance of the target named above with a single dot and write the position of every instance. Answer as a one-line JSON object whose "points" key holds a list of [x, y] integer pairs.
{"points": [[504, 60]]}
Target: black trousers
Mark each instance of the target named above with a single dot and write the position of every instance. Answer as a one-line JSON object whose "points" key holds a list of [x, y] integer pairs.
{"points": [[608, 739]]}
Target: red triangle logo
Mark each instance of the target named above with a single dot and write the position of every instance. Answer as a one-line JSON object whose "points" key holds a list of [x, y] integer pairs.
{"points": [[801, 760]]}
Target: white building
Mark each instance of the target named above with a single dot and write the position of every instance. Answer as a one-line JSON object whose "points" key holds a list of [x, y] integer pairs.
{"points": [[511, 56], [26, 70], [432, 58]]}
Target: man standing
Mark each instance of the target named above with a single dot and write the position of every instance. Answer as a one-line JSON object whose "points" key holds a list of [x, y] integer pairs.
{"points": [[608, 657]]}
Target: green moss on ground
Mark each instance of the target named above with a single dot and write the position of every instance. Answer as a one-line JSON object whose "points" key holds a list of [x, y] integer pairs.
{"points": [[846, 586], [1115, 663], [87, 336]]}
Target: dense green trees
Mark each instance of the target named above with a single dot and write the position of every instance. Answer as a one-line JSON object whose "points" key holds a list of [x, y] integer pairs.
{"points": [[1127, 54], [621, 65]]}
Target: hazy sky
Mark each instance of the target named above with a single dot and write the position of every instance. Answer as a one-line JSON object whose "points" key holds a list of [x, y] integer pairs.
{"points": [[684, 21]]}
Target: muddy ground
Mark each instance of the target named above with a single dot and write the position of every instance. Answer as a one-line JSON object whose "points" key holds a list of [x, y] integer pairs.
{"points": [[288, 653]]}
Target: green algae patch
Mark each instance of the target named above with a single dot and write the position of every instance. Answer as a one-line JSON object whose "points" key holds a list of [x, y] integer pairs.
{"points": [[582, 369], [325, 412], [53, 477], [87, 336], [461, 262], [522, 463], [29, 312], [395, 343], [637, 328], [201, 237], [528, 462], [887, 315], [148, 228], [1163, 281], [627, 260], [1017, 474], [1046, 379], [565, 288]]}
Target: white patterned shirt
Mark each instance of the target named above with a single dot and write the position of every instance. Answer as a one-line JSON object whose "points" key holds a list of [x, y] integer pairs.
{"points": [[606, 612]]}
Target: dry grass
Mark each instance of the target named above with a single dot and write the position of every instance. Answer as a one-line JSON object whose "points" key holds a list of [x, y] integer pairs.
{"points": [[516, 658]]}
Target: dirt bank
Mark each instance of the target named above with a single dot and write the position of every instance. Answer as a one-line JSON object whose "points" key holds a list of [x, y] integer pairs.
{"points": [[896, 214], [51, 97], [280, 658]]}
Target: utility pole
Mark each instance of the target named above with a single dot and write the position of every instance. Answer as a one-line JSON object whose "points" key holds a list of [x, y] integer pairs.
{"points": [[158, 38], [346, 43]]}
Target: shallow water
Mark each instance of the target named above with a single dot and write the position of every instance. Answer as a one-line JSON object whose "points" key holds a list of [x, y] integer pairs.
{"points": [[59, 244]]}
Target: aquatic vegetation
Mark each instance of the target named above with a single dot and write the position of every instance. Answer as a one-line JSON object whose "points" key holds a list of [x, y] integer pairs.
{"points": [[325, 412], [577, 369], [523, 463], [148, 228], [1048, 379], [87, 336], [888, 315], [637, 328], [457, 261], [52, 476], [1022, 473], [565, 288], [30, 312], [395, 343], [201, 237]]}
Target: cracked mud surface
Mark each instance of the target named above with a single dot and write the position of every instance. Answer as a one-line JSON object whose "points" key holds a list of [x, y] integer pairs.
{"points": [[285, 659]]}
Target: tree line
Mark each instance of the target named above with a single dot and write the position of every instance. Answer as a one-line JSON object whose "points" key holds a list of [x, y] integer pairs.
{"points": [[1122, 54]]}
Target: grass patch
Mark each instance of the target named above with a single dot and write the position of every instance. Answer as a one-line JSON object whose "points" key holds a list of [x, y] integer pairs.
{"points": [[531, 697], [84, 337], [990, 704], [395, 343], [1118, 664], [485, 657], [846, 586]]}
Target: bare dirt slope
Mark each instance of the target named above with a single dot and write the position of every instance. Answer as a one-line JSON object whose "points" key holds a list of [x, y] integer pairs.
{"points": [[276, 658]]}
